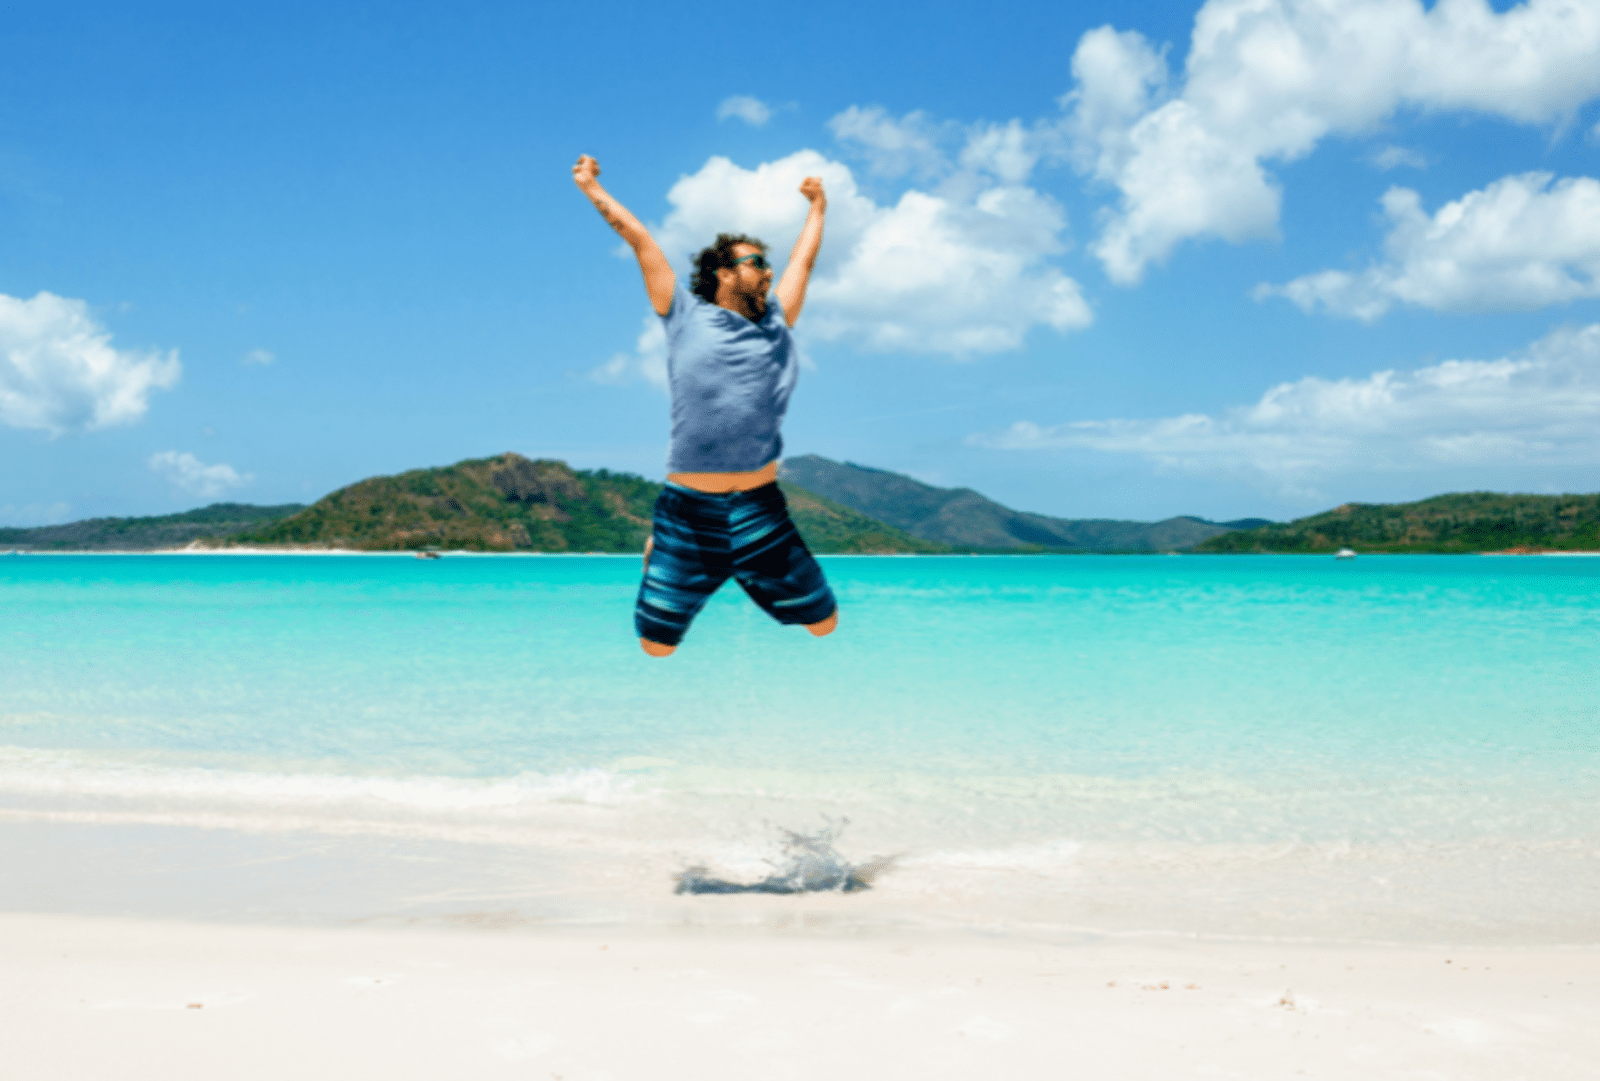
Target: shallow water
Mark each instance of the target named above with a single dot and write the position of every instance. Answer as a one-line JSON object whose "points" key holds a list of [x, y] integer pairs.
{"points": [[1384, 747]]}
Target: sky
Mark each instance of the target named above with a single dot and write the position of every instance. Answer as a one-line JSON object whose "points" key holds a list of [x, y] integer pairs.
{"points": [[1094, 260]]}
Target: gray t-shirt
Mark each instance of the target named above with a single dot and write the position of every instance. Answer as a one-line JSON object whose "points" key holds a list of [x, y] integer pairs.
{"points": [[731, 380]]}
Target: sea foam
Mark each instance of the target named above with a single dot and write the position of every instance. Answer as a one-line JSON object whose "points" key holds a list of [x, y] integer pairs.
{"points": [[29, 772]]}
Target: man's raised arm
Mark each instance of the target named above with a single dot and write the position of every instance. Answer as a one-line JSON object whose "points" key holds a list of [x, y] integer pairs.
{"points": [[797, 275], [659, 280]]}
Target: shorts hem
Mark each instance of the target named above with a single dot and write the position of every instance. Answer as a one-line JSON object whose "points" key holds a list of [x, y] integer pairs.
{"points": [[798, 620]]}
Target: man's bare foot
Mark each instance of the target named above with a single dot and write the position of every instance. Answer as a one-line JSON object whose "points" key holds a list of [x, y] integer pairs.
{"points": [[657, 649], [826, 626]]}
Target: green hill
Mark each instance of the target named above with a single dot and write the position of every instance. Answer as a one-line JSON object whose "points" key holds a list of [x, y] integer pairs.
{"points": [[145, 534], [1461, 522], [969, 521], [511, 503], [829, 527]]}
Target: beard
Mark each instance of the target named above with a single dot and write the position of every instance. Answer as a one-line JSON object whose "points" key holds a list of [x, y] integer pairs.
{"points": [[754, 302]]}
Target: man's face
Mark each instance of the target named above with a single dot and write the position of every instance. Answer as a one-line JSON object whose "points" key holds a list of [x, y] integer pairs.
{"points": [[747, 280]]}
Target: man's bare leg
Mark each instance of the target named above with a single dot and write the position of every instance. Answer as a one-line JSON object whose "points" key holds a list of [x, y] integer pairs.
{"points": [[826, 626]]}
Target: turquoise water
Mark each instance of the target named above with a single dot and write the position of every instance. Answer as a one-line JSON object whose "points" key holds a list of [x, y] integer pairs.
{"points": [[977, 701], [1094, 665]]}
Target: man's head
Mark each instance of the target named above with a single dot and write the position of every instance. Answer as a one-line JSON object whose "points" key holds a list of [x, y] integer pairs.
{"points": [[734, 273]]}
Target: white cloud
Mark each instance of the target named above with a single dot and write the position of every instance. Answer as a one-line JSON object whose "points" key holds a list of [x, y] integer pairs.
{"points": [[1266, 80], [1398, 157], [261, 357], [960, 270], [1541, 407], [915, 145], [59, 372], [183, 470], [648, 361], [1006, 151], [892, 147], [752, 111], [1518, 244], [1118, 77]]}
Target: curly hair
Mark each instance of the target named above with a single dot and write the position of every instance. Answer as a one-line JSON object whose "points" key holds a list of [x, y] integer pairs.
{"points": [[714, 258]]}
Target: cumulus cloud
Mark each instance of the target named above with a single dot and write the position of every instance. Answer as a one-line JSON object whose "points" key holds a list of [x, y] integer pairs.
{"points": [[1518, 244], [892, 146], [752, 111], [648, 361], [1266, 80], [1005, 151], [183, 470], [1539, 407], [60, 374], [959, 270], [261, 357]]}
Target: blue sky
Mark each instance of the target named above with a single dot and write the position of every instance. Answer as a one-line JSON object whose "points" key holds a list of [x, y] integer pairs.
{"points": [[1093, 260]]}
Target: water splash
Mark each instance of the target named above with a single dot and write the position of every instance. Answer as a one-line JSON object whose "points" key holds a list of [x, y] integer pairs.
{"points": [[812, 865]]}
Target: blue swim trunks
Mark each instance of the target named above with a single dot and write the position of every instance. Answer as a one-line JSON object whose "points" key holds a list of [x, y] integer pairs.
{"points": [[703, 539]]}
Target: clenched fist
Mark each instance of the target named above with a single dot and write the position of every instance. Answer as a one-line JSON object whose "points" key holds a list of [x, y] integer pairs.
{"points": [[587, 170], [810, 187]]}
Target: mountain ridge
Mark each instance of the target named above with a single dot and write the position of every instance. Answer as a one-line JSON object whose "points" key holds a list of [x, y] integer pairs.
{"points": [[964, 518]]}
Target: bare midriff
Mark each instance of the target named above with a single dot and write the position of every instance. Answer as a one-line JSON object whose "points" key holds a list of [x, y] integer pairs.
{"points": [[727, 482]]}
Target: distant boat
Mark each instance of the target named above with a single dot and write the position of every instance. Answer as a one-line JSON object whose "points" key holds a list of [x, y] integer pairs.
{"points": [[1346, 553], [428, 555]]}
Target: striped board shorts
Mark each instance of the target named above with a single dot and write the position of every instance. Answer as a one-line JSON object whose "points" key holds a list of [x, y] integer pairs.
{"points": [[702, 539]]}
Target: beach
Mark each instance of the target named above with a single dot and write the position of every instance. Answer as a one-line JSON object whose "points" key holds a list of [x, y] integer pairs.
{"points": [[1233, 817], [146, 999]]}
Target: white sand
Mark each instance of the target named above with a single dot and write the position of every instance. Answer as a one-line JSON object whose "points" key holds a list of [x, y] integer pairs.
{"points": [[87, 997]]}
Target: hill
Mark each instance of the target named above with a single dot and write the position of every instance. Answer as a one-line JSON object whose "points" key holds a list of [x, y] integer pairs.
{"points": [[963, 518], [511, 503], [830, 528], [146, 534], [1461, 522]]}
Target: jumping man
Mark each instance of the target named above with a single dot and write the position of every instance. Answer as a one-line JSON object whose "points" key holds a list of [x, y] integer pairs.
{"points": [[731, 365]]}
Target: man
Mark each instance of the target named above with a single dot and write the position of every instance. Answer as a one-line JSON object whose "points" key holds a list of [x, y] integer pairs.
{"points": [[731, 365]]}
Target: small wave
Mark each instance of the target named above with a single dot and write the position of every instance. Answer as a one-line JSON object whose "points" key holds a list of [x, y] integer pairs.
{"points": [[810, 865], [34, 773]]}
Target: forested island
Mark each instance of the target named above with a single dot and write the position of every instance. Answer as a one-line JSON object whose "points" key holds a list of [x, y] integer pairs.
{"points": [[1460, 522], [145, 534], [510, 503]]}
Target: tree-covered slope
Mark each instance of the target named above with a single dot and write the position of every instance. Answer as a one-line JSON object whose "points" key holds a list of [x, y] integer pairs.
{"points": [[829, 527], [1461, 522], [146, 534], [511, 503], [968, 520], [502, 504]]}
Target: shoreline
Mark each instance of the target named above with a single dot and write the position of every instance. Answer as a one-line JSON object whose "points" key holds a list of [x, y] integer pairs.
{"points": [[603, 867]]}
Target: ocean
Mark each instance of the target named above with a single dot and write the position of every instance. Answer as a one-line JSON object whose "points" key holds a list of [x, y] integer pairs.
{"points": [[1384, 749]]}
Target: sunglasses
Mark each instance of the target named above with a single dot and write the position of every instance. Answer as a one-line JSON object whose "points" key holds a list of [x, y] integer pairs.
{"points": [[758, 261]]}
